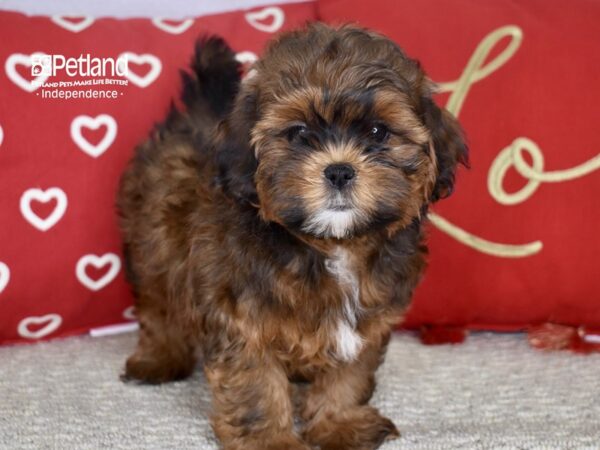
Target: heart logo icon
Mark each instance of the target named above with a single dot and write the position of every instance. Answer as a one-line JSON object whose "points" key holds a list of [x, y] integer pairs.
{"points": [[74, 24], [19, 59], [49, 323], [268, 19], [98, 262], [173, 28], [40, 195], [146, 58], [4, 276], [94, 123]]}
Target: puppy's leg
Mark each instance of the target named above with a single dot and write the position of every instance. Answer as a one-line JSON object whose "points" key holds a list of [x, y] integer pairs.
{"points": [[336, 412], [252, 403], [164, 351]]}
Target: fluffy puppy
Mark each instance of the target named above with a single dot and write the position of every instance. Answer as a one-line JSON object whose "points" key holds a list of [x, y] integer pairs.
{"points": [[276, 226]]}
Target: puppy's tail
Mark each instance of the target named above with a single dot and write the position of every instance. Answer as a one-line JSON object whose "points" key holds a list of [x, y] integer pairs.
{"points": [[214, 81]]}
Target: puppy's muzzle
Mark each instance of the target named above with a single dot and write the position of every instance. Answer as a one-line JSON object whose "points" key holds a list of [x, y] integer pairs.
{"points": [[339, 175]]}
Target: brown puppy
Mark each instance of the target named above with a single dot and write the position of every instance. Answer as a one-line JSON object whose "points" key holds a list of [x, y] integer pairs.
{"points": [[277, 226]]}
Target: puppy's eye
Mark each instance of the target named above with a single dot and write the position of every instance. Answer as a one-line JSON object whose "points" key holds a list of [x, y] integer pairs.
{"points": [[297, 133], [379, 133]]}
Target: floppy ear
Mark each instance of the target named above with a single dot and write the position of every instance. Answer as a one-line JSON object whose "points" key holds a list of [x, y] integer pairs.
{"points": [[448, 142], [236, 162]]}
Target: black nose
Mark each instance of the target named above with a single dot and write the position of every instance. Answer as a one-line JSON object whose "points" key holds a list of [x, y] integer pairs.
{"points": [[339, 174]]}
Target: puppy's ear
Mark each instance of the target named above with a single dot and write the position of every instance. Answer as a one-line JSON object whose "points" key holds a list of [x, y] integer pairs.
{"points": [[448, 142], [236, 161]]}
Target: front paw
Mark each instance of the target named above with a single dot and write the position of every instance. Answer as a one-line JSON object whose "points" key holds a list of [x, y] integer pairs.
{"points": [[283, 441], [361, 428], [286, 443], [152, 370]]}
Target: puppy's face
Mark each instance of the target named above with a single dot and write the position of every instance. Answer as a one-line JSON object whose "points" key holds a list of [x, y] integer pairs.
{"points": [[343, 137], [333, 163]]}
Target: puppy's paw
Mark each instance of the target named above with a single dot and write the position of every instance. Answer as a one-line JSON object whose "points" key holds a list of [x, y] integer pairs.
{"points": [[155, 371], [361, 428], [287, 443], [282, 441]]}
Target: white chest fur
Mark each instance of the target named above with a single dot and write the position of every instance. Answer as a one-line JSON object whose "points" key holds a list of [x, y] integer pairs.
{"points": [[348, 341]]}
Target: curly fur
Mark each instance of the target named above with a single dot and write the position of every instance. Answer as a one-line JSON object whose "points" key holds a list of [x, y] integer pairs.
{"points": [[240, 250]]}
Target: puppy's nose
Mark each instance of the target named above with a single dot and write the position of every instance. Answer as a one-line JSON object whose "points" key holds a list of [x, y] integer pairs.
{"points": [[339, 174]]}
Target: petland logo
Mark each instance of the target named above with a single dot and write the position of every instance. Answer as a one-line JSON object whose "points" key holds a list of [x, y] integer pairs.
{"points": [[84, 66], [85, 77]]}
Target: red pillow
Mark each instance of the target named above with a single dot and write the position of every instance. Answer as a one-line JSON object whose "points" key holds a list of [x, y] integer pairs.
{"points": [[60, 159], [512, 247]]}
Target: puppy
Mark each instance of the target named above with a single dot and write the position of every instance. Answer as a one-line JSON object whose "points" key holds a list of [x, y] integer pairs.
{"points": [[276, 226]]}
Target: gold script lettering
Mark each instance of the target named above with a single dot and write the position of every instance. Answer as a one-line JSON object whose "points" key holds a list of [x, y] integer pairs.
{"points": [[511, 156]]}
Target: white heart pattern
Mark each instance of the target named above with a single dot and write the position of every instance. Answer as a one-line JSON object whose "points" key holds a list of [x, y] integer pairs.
{"points": [[98, 262], [70, 25], [179, 28], [94, 123], [129, 313], [4, 276], [146, 58], [51, 321], [268, 19], [44, 197], [246, 57], [10, 66]]}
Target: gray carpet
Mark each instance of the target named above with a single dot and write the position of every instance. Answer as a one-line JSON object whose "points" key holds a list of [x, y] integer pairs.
{"points": [[493, 392]]}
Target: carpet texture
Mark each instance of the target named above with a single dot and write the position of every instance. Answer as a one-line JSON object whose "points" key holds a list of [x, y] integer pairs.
{"points": [[493, 392]]}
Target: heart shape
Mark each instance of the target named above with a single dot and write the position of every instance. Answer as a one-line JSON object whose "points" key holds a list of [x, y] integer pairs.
{"points": [[129, 313], [247, 59], [98, 262], [4, 276], [146, 58], [170, 28], [94, 123], [268, 19], [50, 323], [43, 196], [10, 68], [70, 25]]}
